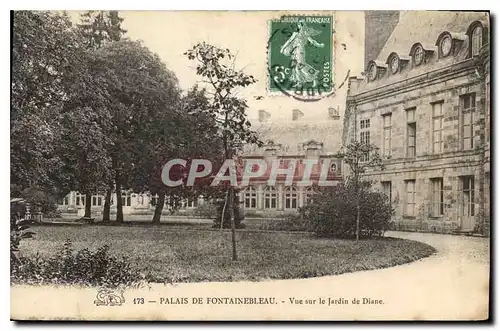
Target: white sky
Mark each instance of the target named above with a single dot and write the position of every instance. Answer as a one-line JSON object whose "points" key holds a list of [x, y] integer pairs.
{"points": [[171, 33]]}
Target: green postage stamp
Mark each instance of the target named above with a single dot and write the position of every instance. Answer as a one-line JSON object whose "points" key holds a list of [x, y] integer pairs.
{"points": [[300, 62]]}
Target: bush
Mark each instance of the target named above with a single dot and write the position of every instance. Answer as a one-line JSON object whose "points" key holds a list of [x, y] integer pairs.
{"points": [[289, 223], [206, 210], [83, 267], [19, 229], [333, 212], [40, 200]]}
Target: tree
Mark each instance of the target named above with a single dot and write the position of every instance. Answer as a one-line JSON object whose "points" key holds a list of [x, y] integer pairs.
{"points": [[359, 157], [46, 53], [98, 28], [216, 66], [141, 93]]}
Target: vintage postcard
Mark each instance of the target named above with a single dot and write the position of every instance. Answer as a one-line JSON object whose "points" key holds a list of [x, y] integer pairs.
{"points": [[250, 165]]}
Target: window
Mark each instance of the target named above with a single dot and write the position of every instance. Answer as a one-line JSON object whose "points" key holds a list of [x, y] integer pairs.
{"points": [[364, 136], [372, 73], [154, 200], [270, 198], [437, 201], [410, 198], [96, 200], [445, 46], [387, 135], [467, 195], [80, 200], [387, 189], [65, 201], [418, 56], [290, 198], [411, 133], [394, 64], [250, 197], [141, 200], [308, 196], [476, 40], [191, 202], [468, 107], [126, 200], [437, 127]]}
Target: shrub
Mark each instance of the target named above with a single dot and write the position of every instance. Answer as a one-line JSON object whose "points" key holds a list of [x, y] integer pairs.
{"points": [[206, 210], [333, 212], [83, 267], [19, 229]]}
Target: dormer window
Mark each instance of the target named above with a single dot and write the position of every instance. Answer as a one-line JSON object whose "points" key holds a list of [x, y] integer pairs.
{"points": [[445, 46], [477, 40], [477, 34], [418, 55], [372, 73], [394, 64]]}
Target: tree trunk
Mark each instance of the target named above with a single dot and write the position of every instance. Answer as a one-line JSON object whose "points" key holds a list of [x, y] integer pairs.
{"points": [[88, 206], [233, 226], [119, 204], [357, 218], [358, 207], [107, 205], [159, 207]]}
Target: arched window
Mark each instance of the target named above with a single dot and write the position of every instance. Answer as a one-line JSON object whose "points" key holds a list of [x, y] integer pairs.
{"points": [[308, 195], [270, 198], [290, 198], [418, 56], [476, 40], [250, 197], [192, 202]]}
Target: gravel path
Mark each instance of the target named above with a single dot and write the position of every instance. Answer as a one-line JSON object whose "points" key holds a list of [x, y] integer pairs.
{"points": [[452, 284]]}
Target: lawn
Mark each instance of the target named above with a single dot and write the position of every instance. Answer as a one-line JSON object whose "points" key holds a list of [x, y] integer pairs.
{"points": [[193, 255]]}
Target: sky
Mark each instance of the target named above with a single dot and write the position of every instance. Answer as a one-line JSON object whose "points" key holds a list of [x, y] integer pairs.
{"points": [[245, 33]]}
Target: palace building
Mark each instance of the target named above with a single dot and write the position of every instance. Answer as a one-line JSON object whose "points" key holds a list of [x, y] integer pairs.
{"points": [[285, 139], [425, 102]]}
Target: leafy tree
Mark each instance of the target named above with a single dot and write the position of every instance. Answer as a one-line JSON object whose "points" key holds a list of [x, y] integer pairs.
{"points": [[45, 55], [98, 28], [140, 92], [216, 66], [359, 157]]}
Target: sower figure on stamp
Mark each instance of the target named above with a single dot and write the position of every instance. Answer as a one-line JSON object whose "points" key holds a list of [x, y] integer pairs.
{"points": [[295, 47]]}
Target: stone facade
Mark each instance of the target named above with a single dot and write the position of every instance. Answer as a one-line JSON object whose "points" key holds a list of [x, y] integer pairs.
{"points": [[425, 103]]}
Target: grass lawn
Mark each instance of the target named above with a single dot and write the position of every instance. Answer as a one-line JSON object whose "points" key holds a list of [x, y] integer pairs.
{"points": [[191, 255]]}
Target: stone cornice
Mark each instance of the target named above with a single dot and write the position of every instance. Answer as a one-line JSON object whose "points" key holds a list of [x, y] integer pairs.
{"points": [[412, 83]]}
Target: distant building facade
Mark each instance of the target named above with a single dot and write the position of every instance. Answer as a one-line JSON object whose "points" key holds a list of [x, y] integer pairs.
{"points": [[294, 139], [425, 102]]}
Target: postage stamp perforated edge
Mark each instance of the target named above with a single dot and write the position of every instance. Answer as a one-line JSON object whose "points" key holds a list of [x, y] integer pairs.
{"points": [[333, 43]]}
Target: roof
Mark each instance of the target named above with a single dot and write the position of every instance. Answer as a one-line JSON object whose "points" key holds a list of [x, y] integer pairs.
{"points": [[424, 27], [293, 134]]}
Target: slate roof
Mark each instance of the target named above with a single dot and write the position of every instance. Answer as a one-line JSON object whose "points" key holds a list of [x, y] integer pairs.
{"points": [[425, 27], [293, 134]]}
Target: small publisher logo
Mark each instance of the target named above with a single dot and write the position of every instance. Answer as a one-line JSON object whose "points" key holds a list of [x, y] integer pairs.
{"points": [[108, 297]]}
